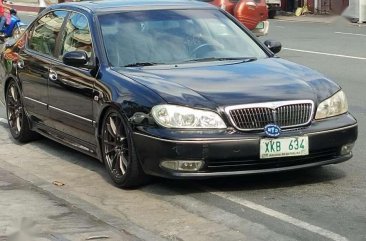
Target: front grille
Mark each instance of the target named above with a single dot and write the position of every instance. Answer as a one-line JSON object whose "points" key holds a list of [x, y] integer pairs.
{"points": [[286, 114]]}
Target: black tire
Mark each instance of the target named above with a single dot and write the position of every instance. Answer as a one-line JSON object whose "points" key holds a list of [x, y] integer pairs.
{"points": [[118, 152], [16, 32], [17, 119], [271, 14]]}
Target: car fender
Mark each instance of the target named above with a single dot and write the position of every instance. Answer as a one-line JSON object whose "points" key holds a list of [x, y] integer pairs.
{"points": [[104, 108], [6, 83]]}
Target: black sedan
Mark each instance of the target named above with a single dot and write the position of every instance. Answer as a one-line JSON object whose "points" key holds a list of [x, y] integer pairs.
{"points": [[177, 89]]}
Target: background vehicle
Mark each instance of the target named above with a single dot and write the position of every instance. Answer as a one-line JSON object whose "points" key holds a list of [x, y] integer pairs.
{"points": [[252, 13], [273, 7], [13, 27]]}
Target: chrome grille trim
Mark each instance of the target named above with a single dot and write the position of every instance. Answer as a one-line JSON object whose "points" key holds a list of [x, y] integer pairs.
{"points": [[289, 114]]}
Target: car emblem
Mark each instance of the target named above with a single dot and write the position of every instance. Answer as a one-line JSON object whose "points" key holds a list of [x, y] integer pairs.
{"points": [[272, 130]]}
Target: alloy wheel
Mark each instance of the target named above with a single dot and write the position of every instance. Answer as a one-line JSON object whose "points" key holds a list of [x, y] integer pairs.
{"points": [[14, 109], [115, 145]]}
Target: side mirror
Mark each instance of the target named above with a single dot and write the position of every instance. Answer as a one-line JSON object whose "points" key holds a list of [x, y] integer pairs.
{"points": [[75, 58], [273, 45]]}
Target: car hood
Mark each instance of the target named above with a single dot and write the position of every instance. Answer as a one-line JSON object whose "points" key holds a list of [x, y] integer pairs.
{"points": [[210, 85]]}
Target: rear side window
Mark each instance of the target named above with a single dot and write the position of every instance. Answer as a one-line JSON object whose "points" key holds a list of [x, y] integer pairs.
{"points": [[45, 32]]}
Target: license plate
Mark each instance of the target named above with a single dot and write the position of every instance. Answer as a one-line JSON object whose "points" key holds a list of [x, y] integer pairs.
{"points": [[283, 147], [260, 25]]}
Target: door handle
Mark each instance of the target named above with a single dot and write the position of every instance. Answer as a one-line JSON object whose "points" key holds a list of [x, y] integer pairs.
{"points": [[52, 75]]}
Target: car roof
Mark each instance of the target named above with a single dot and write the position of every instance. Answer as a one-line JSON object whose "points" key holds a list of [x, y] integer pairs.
{"points": [[99, 6]]}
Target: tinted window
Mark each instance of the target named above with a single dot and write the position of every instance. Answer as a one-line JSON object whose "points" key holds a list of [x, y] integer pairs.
{"points": [[45, 31], [77, 35]]}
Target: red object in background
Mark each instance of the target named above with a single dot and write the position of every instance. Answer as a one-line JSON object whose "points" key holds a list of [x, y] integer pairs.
{"points": [[248, 12], [227, 5]]}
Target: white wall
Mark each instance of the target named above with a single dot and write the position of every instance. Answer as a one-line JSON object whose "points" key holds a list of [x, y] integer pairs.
{"points": [[362, 11], [357, 10]]}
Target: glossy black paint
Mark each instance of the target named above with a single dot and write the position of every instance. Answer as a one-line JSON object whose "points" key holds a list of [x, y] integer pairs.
{"points": [[232, 153], [211, 85], [75, 58], [273, 45], [67, 103]]}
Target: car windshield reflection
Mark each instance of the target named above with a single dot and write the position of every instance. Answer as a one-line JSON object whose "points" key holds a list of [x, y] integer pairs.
{"points": [[145, 38]]}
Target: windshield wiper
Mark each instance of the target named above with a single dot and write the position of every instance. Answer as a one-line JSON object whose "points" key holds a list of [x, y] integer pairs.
{"points": [[140, 64], [244, 59]]}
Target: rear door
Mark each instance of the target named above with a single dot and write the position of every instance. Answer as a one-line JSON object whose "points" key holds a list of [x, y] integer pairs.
{"points": [[36, 58]]}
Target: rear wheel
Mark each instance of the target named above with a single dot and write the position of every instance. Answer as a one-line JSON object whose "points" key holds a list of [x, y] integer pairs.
{"points": [[118, 152], [17, 119], [16, 32]]}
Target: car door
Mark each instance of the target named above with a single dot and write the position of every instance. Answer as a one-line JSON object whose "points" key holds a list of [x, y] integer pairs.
{"points": [[70, 89], [34, 64]]}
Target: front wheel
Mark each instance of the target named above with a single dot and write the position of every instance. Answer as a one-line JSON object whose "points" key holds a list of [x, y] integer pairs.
{"points": [[118, 152]]}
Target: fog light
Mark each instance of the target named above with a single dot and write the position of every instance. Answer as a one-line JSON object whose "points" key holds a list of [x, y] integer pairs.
{"points": [[187, 166], [347, 149]]}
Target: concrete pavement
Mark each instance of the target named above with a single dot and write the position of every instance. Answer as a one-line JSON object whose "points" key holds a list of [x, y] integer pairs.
{"points": [[30, 213]]}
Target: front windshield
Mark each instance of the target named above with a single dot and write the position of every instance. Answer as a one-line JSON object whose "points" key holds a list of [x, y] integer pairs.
{"points": [[142, 38]]}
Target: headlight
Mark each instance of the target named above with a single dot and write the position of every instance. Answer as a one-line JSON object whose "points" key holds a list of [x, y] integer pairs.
{"points": [[334, 105], [173, 116]]}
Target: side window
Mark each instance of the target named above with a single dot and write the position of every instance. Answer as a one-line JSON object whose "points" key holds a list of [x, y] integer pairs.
{"points": [[77, 35], [45, 31]]}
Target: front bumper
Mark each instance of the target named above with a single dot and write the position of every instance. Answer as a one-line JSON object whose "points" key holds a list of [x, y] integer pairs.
{"points": [[235, 153]]}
